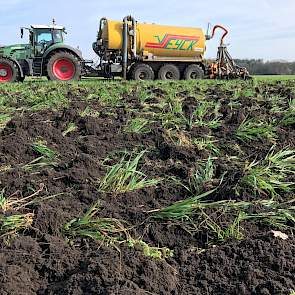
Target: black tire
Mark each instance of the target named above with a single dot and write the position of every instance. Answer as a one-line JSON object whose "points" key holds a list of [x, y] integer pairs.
{"points": [[194, 72], [142, 72], [21, 79], [9, 71], [169, 72], [64, 66]]}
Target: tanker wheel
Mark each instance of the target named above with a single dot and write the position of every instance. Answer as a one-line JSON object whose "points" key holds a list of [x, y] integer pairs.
{"points": [[169, 72], [193, 72], [142, 72], [8, 71], [64, 66]]}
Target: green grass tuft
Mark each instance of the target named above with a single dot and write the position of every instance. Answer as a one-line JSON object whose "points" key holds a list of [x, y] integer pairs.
{"points": [[270, 176], [221, 220], [289, 115], [3, 200], [137, 125], [12, 224], [71, 128], [125, 176], [152, 252], [4, 119], [207, 144], [89, 112], [206, 115], [48, 157], [183, 209], [110, 232], [202, 176], [251, 130], [107, 230], [221, 232]]}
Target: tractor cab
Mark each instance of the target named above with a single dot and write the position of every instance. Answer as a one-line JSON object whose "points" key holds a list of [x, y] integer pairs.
{"points": [[42, 37]]}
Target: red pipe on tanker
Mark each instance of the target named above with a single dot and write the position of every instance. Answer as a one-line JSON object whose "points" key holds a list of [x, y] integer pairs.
{"points": [[222, 28]]}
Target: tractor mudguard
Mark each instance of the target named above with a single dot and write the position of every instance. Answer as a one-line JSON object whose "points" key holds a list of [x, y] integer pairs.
{"points": [[63, 46], [21, 72]]}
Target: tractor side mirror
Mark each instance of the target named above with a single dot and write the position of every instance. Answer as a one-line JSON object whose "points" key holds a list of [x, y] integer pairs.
{"points": [[21, 32]]}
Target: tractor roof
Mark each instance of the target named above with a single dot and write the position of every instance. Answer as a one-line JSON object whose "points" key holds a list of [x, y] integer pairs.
{"points": [[47, 27]]}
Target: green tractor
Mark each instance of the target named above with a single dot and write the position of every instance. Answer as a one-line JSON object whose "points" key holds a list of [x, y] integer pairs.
{"points": [[45, 55]]}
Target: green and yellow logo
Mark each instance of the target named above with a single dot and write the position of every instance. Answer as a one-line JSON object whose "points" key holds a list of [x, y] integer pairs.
{"points": [[174, 42]]}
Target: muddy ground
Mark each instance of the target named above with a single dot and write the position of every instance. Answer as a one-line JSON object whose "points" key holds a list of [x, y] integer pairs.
{"points": [[40, 260]]}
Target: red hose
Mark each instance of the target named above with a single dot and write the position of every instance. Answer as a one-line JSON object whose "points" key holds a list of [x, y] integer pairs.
{"points": [[222, 28]]}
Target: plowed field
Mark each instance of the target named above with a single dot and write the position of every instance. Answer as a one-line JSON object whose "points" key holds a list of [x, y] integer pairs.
{"points": [[167, 188]]}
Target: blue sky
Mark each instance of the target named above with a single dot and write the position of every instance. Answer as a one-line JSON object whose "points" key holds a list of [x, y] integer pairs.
{"points": [[258, 28]]}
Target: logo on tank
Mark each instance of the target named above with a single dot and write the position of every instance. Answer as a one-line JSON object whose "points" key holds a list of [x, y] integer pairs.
{"points": [[174, 42]]}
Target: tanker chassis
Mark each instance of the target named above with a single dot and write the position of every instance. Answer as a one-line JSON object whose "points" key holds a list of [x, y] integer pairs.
{"points": [[127, 49]]}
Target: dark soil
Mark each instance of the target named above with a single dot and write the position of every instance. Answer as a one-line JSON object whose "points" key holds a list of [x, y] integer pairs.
{"points": [[41, 261]]}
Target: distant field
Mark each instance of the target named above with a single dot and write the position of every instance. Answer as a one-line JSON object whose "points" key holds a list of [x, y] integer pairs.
{"points": [[275, 77], [257, 77]]}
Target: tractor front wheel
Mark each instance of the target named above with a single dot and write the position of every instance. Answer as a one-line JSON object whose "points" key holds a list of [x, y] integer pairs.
{"points": [[64, 66], [8, 71]]}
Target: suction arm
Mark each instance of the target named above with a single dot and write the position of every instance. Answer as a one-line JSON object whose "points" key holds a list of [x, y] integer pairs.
{"points": [[214, 30], [126, 34]]}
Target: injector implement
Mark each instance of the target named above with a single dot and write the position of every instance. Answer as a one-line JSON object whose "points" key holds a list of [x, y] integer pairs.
{"points": [[225, 67]]}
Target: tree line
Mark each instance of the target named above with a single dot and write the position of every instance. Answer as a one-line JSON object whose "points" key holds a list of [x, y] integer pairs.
{"points": [[260, 67]]}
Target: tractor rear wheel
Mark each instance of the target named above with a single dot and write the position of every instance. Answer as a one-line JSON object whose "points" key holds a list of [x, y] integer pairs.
{"points": [[142, 72], [169, 72], [64, 66], [8, 71], [193, 72]]}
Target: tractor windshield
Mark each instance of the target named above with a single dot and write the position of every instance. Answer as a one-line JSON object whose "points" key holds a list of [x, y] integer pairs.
{"points": [[44, 36], [49, 36]]}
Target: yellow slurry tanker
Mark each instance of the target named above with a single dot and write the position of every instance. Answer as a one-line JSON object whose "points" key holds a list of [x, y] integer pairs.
{"points": [[126, 49], [142, 51]]}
